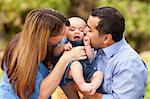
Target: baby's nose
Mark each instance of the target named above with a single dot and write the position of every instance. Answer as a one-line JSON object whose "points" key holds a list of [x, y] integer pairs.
{"points": [[77, 31]]}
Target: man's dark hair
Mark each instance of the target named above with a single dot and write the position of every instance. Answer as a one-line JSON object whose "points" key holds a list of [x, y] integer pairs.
{"points": [[111, 22]]}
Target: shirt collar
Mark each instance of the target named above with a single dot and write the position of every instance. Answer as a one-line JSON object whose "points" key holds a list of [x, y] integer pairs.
{"points": [[111, 50]]}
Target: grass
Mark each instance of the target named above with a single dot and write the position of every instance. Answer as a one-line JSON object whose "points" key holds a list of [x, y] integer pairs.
{"points": [[145, 57]]}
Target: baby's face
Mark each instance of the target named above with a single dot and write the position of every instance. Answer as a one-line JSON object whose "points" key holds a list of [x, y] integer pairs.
{"points": [[75, 31]]}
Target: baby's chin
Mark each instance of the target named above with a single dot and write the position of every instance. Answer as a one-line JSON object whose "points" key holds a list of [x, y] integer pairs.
{"points": [[77, 39]]}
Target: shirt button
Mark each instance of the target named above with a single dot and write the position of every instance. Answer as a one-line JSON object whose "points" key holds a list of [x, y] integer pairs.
{"points": [[94, 68]]}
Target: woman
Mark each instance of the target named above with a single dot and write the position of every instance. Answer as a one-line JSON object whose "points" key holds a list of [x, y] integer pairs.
{"points": [[25, 76]]}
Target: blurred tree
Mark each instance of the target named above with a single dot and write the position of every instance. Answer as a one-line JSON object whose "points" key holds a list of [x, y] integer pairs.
{"points": [[13, 13], [137, 15], [136, 12], [81, 7]]}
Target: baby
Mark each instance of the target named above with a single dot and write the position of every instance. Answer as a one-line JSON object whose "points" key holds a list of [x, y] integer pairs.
{"points": [[87, 78]]}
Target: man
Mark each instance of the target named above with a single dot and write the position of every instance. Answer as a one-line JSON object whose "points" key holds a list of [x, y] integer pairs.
{"points": [[125, 74]]}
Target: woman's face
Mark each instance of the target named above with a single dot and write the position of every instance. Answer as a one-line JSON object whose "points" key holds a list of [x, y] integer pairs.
{"points": [[52, 41]]}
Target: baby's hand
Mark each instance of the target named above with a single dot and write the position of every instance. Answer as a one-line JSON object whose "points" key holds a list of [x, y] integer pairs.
{"points": [[86, 41], [67, 46]]}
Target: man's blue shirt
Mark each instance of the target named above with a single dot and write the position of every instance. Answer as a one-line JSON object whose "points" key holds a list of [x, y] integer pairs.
{"points": [[125, 74]]}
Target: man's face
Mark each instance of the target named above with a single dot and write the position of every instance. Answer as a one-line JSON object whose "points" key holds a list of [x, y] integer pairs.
{"points": [[97, 39]]}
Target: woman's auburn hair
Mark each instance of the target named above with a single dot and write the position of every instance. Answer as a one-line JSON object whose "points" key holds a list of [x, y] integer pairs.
{"points": [[26, 51]]}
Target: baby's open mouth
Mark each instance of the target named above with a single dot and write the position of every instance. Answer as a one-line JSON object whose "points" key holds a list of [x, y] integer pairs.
{"points": [[76, 38]]}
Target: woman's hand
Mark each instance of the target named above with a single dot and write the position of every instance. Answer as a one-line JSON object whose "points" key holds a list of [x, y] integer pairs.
{"points": [[76, 53]]}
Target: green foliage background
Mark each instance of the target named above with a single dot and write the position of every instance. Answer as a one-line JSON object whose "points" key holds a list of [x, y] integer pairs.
{"points": [[137, 16], [136, 12]]}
